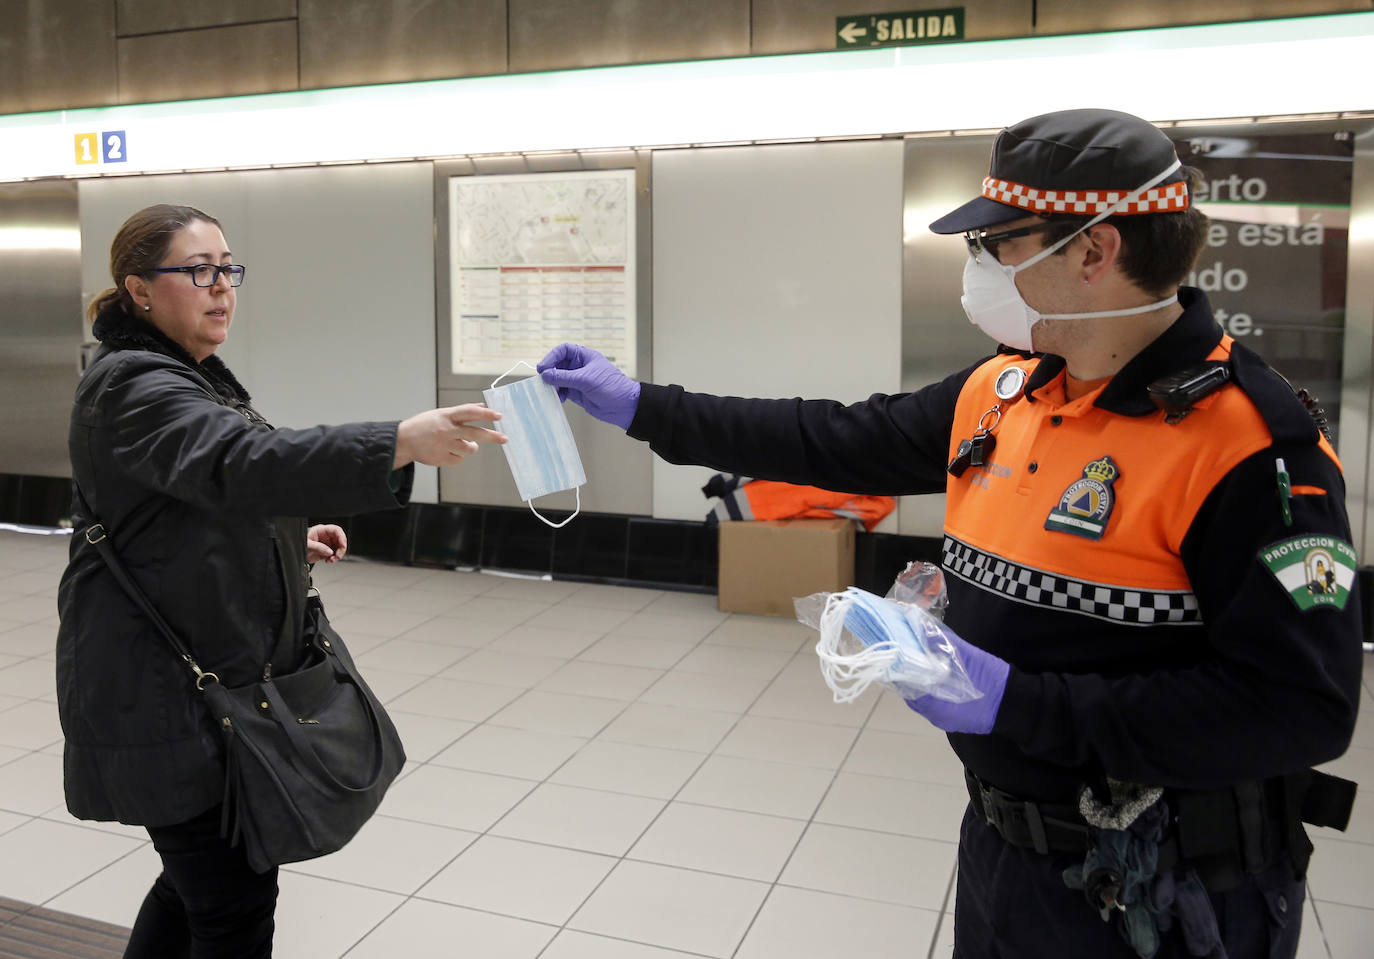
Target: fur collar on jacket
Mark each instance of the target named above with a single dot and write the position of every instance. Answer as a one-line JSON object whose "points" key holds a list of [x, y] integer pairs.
{"points": [[120, 331]]}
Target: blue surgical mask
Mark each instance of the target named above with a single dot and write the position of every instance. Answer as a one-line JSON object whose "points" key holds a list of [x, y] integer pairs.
{"points": [[541, 451]]}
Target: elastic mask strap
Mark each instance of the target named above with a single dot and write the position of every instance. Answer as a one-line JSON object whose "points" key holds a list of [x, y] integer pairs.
{"points": [[509, 372], [849, 674], [1120, 204], [577, 491], [1132, 311]]}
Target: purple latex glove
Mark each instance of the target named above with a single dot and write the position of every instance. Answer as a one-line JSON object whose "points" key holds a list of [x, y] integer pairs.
{"points": [[988, 675], [592, 382]]}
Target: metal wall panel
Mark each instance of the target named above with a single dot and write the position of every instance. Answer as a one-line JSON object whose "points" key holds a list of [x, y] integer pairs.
{"points": [[56, 54], [40, 336], [1075, 16], [777, 274], [552, 34], [166, 16], [1357, 376], [346, 42], [937, 338], [791, 26], [216, 62]]}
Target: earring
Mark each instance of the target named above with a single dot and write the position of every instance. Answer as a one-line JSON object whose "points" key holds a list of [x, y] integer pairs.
{"points": [[148, 307]]}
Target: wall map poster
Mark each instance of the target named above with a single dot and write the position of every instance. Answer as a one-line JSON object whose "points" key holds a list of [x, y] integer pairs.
{"points": [[537, 259], [1274, 268]]}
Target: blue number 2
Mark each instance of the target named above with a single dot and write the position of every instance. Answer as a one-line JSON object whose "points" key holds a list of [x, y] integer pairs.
{"points": [[112, 146]]}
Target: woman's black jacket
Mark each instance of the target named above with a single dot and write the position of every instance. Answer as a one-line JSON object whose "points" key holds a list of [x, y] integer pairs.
{"points": [[206, 505]]}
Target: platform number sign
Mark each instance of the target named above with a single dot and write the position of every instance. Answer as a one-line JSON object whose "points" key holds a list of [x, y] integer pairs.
{"points": [[110, 146]]}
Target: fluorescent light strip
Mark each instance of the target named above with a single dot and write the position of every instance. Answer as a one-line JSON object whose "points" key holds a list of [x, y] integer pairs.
{"points": [[1297, 66], [32, 239]]}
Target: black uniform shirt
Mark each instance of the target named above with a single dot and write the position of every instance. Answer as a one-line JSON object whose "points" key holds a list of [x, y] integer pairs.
{"points": [[1251, 684]]}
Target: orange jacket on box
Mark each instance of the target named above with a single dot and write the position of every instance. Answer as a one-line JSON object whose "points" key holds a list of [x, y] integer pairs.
{"points": [[742, 498]]}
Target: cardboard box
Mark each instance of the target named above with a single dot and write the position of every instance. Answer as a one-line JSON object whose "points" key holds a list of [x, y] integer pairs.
{"points": [[765, 563]]}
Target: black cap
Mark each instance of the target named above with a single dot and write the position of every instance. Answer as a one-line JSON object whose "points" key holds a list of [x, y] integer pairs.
{"points": [[1072, 161]]}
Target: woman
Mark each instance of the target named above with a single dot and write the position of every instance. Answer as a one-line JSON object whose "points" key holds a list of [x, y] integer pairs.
{"points": [[204, 502]]}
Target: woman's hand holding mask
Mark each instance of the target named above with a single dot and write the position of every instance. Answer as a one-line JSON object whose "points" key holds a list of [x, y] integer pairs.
{"points": [[443, 437]]}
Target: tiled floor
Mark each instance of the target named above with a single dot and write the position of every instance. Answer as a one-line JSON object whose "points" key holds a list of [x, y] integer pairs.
{"points": [[596, 773]]}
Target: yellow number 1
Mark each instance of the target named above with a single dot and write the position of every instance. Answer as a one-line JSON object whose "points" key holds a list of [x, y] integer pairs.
{"points": [[85, 148]]}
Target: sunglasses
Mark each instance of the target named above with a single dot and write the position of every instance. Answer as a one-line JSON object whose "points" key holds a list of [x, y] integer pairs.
{"points": [[980, 240]]}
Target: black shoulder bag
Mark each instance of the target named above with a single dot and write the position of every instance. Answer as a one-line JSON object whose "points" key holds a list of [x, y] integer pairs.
{"points": [[309, 753]]}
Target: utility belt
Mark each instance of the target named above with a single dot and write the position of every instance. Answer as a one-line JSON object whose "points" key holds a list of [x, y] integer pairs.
{"points": [[1225, 834]]}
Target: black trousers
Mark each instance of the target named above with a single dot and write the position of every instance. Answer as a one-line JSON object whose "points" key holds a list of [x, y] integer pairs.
{"points": [[207, 904], [1011, 903]]}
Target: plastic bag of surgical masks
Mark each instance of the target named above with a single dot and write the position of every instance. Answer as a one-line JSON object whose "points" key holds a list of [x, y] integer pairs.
{"points": [[896, 640]]}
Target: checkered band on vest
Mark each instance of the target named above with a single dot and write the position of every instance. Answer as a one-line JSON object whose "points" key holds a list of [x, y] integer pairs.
{"points": [[1161, 199], [1024, 584]]}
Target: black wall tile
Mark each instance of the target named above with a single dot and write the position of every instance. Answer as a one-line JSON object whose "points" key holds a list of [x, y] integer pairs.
{"points": [[448, 535], [879, 557], [515, 539], [9, 497], [387, 535], [35, 500], [673, 552], [593, 547]]}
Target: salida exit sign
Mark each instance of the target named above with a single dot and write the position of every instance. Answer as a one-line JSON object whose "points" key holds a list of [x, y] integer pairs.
{"points": [[893, 29]]}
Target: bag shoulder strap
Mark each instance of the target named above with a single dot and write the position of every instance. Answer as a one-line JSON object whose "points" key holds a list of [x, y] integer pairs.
{"points": [[98, 536]]}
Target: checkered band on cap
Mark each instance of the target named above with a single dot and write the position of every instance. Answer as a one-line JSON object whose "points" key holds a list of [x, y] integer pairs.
{"points": [[1122, 605], [1169, 198]]}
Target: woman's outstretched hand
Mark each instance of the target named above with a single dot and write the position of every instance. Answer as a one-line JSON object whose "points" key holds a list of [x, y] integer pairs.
{"points": [[444, 437]]}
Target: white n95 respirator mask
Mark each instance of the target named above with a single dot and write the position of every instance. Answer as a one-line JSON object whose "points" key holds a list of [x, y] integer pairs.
{"points": [[540, 449], [994, 303]]}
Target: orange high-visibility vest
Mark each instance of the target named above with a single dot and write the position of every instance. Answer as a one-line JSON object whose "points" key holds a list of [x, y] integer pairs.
{"points": [[766, 499]]}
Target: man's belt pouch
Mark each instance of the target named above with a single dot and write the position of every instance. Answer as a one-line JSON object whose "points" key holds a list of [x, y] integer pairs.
{"points": [[309, 753]]}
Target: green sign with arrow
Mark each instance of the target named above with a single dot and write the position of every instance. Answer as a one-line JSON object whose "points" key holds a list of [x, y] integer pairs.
{"points": [[898, 29]]}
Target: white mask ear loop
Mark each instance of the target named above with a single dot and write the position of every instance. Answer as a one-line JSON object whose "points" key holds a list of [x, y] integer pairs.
{"points": [[1120, 204], [509, 372], [577, 492], [846, 670]]}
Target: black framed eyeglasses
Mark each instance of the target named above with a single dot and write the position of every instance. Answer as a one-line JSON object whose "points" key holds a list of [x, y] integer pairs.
{"points": [[207, 274], [981, 240]]}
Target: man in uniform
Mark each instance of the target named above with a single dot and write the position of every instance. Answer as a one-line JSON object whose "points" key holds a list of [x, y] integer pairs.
{"points": [[1133, 502]]}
